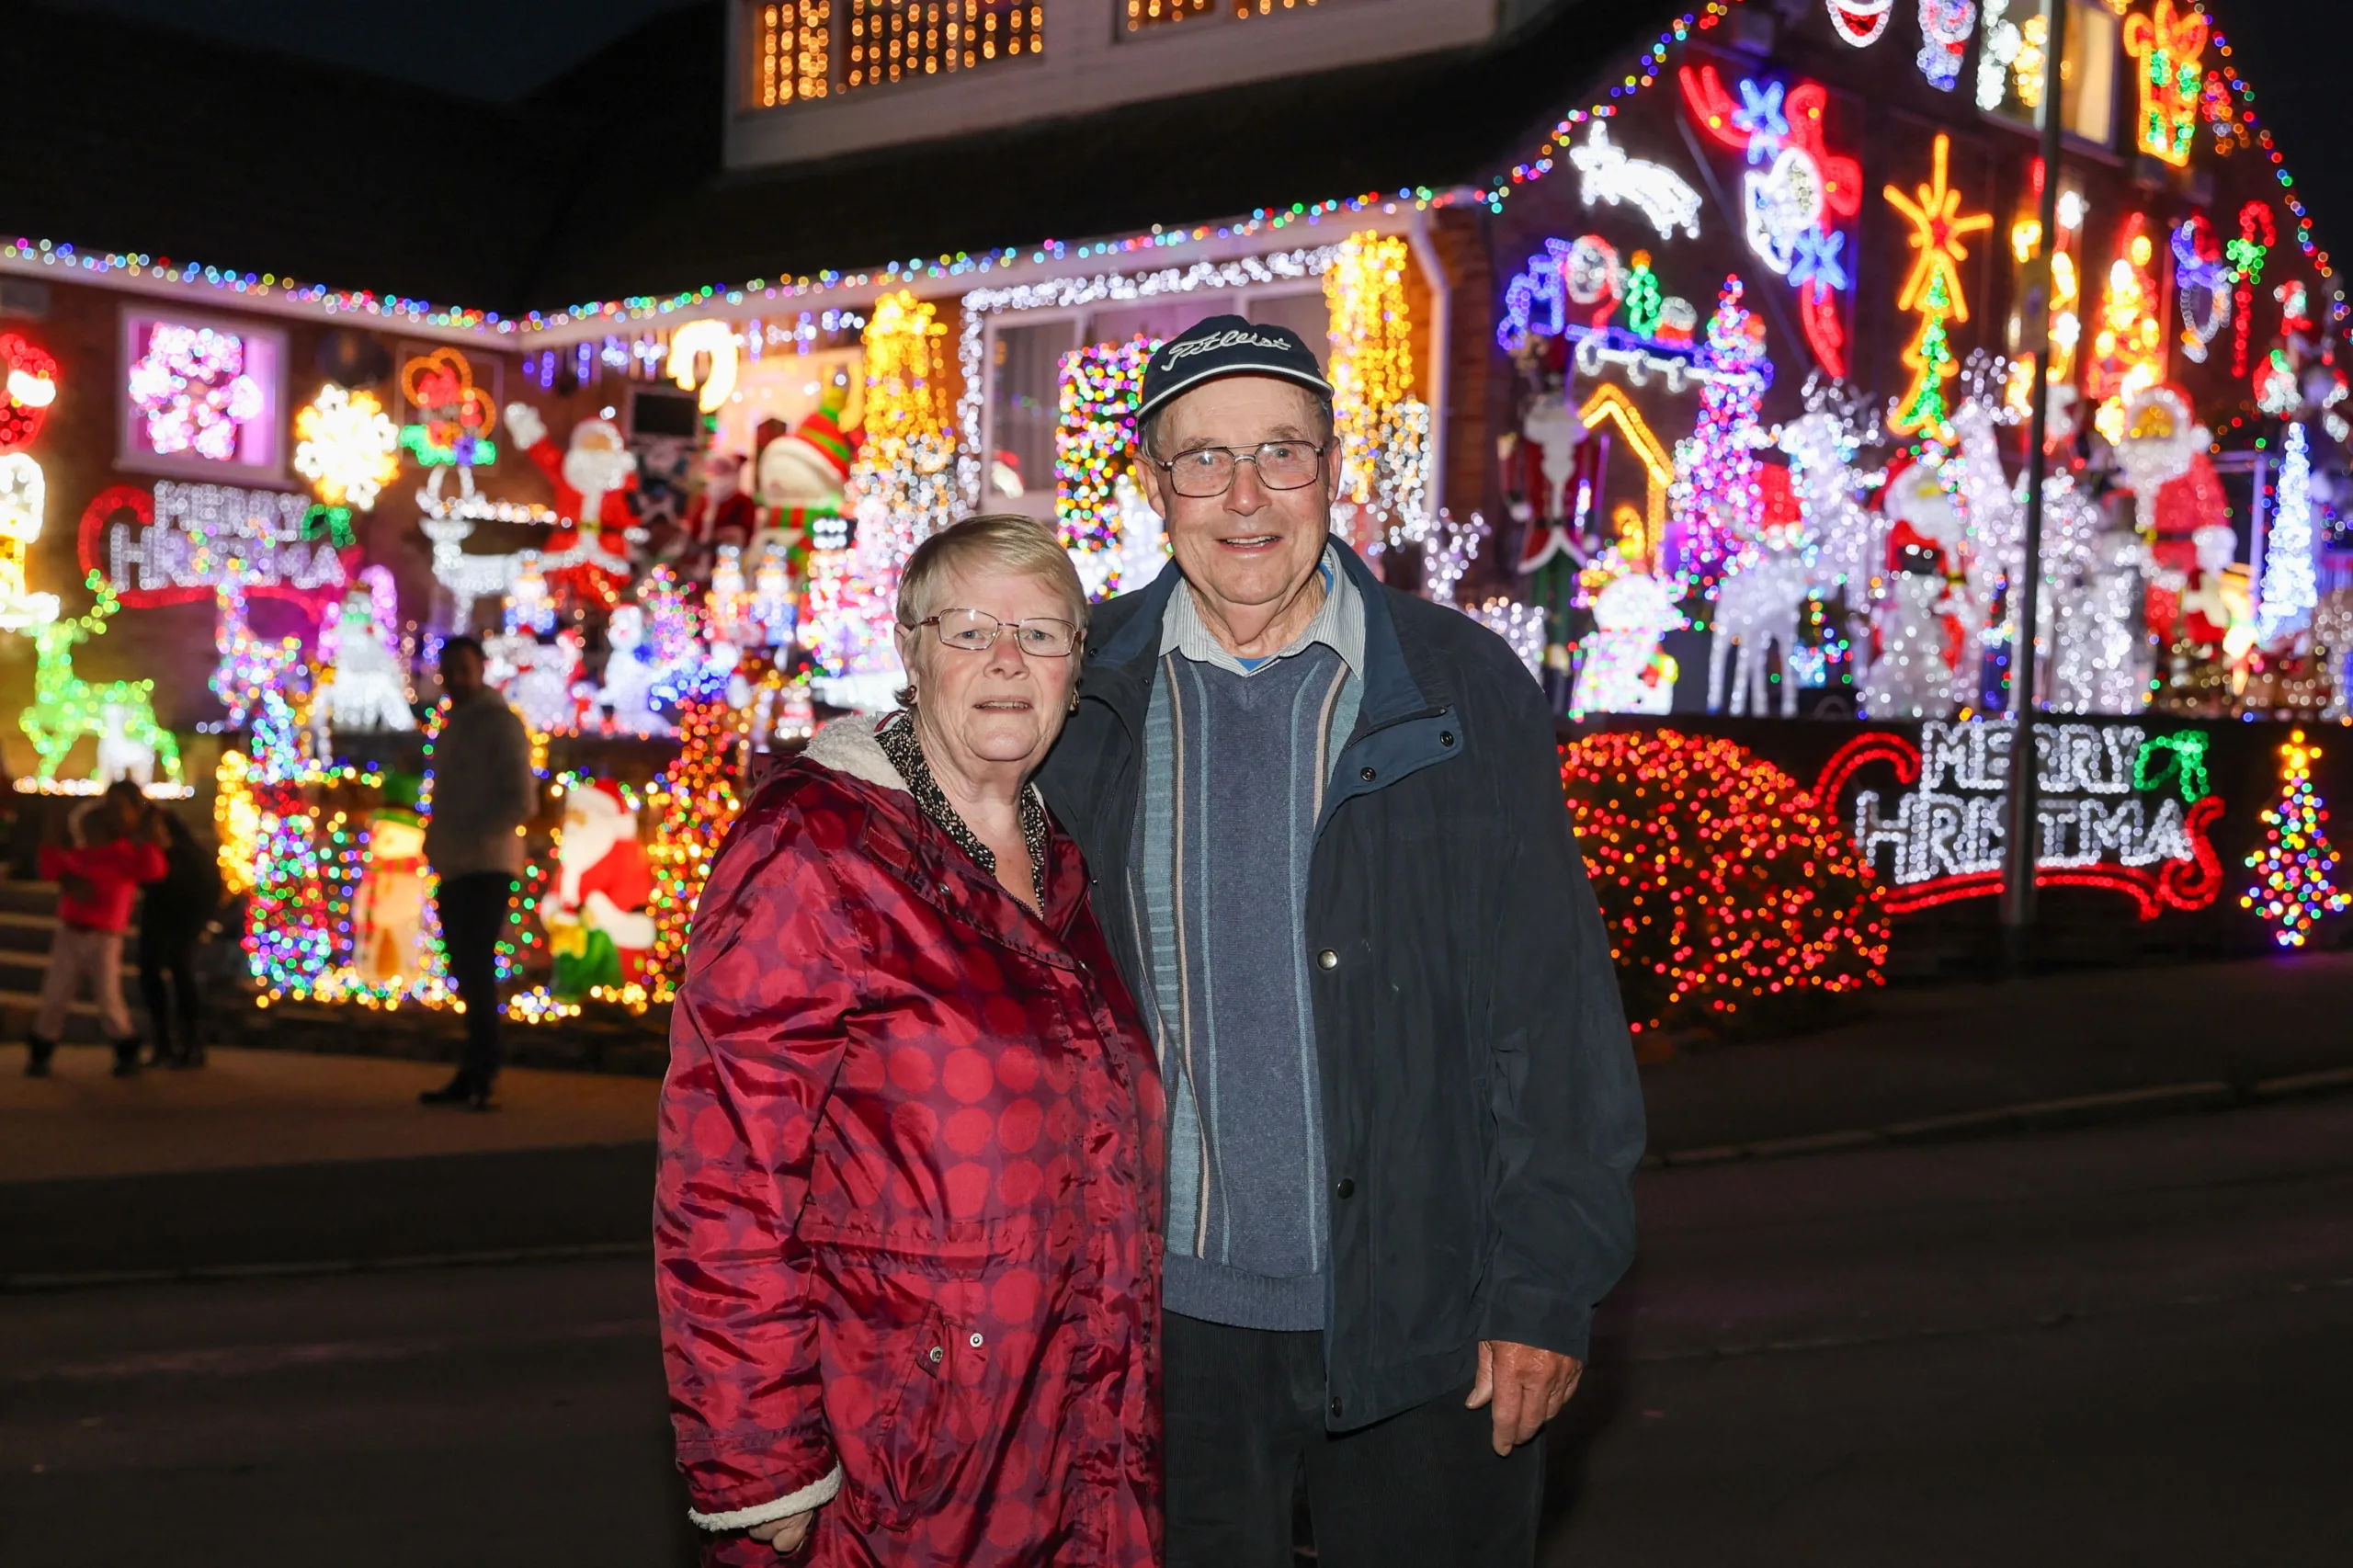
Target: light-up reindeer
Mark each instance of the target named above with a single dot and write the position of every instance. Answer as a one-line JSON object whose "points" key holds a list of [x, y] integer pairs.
{"points": [[119, 715]]}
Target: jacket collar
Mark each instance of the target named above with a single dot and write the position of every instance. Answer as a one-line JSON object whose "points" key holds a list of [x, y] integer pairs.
{"points": [[930, 862], [1392, 689]]}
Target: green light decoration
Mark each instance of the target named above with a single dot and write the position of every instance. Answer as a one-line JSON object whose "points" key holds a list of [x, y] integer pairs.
{"points": [[1933, 290], [1930, 358], [2183, 763], [330, 523], [118, 715], [1643, 299]]}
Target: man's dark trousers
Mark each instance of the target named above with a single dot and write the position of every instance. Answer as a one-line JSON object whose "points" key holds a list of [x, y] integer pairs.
{"points": [[1244, 1410], [473, 913]]}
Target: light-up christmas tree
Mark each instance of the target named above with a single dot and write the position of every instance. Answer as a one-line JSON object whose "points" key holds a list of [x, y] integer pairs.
{"points": [[697, 803], [1933, 288], [2295, 865], [1715, 500], [2290, 587]]}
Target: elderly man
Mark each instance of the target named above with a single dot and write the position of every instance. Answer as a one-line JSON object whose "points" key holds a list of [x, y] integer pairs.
{"points": [[1326, 828]]}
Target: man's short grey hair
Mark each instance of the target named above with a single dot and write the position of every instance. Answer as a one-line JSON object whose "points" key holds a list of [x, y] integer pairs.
{"points": [[1148, 429]]}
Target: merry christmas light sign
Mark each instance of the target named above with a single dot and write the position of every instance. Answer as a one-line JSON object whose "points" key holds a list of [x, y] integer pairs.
{"points": [[2117, 809], [186, 542]]}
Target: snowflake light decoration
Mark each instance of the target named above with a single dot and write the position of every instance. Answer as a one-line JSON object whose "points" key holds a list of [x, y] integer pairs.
{"points": [[347, 445], [191, 389]]}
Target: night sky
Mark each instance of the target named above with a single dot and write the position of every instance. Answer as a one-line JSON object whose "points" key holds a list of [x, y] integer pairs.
{"points": [[2287, 49]]}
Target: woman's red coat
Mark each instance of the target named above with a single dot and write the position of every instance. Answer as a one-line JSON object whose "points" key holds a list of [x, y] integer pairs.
{"points": [[908, 1210]]}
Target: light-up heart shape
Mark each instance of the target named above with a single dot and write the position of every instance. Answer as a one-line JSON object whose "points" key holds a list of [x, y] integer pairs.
{"points": [[28, 386]]}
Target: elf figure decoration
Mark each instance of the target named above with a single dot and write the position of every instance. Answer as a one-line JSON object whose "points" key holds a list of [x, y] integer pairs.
{"points": [[1918, 625], [596, 484], [597, 925], [801, 486]]}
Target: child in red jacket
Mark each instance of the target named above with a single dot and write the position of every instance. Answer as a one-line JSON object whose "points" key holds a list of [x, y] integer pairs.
{"points": [[122, 845]]}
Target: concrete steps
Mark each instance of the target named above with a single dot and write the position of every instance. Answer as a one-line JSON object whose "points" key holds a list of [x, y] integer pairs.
{"points": [[28, 921]]}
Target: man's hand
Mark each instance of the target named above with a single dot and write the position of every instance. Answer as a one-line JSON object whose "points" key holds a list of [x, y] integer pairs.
{"points": [[787, 1535], [1526, 1386]]}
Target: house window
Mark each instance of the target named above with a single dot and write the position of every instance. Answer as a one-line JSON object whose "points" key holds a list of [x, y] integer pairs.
{"points": [[201, 396], [805, 50], [2014, 65], [1025, 358]]}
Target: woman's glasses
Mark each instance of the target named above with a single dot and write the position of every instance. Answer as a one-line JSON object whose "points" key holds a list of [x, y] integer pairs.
{"points": [[976, 632]]}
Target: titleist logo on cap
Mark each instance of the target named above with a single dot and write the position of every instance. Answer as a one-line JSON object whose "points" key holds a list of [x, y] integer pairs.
{"points": [[1230, 339]]}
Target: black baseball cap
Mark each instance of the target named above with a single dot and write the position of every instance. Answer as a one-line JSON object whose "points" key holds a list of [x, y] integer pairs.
{"points": [[1228, 345]]}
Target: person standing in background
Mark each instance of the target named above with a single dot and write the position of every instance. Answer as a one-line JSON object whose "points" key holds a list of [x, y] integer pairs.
{"points": [[122, 839], [484, 793], [171, 918]]}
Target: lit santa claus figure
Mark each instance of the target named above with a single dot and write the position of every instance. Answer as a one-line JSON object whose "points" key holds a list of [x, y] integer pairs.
{"points": [[597, 925], [1916, 625], [596, 484], [721, 517], [2175, 494]]}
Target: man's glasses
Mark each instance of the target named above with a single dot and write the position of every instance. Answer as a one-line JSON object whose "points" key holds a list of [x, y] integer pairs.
{"points": [[1209, 471], [976, 632]]}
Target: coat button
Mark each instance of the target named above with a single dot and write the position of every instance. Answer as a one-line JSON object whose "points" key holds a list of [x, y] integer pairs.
{"points": [[1346, 1187], [936, 1355], [975, 1341], [1327, 958], [1445, 738], [1367, 775], [1336, 1405]]}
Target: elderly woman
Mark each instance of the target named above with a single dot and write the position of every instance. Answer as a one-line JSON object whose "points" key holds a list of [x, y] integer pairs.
{"points": [[906, 1230]]}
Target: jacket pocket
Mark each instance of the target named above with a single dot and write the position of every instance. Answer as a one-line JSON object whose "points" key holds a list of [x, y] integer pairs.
{"points": [[919, 1441]]}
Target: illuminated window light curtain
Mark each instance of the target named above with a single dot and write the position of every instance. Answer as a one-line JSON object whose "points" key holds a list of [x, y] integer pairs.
{"points": [[1098, 390], [792, 52], [1384, 430], [905, 474], [895, 40]]}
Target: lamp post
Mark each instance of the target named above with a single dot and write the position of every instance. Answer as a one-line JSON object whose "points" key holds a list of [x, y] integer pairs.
{"points": [[2023, 841]]}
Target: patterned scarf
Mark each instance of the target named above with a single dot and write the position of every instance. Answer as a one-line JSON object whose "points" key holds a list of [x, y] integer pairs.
{"points": [[897, 738]]}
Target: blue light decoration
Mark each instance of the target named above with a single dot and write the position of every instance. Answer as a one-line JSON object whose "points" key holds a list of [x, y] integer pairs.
{"points": [[1945, 26], [1795, 206], [1573, 289], [2203, 280]]}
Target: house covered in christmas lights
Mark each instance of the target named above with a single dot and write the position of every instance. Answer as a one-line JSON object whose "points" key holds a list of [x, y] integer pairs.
{"points": [[1695, 351]]}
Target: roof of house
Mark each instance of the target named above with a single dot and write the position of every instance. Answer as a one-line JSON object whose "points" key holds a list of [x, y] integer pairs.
{"points": [[609, 181]]}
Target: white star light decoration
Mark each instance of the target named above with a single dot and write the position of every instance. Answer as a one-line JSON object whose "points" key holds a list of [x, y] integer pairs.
{"points": [[1663, 195]]}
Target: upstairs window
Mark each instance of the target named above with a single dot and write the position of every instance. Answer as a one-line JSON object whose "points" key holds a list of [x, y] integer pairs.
{"points": [[2014, 65], [802, 51]]}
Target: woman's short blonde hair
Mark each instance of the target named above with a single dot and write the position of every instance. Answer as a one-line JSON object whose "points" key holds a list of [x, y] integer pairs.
{"points": [[1004, 542]]}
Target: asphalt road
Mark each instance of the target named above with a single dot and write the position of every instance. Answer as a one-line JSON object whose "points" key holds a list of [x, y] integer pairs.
{"points": [[2130, 1344]]}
